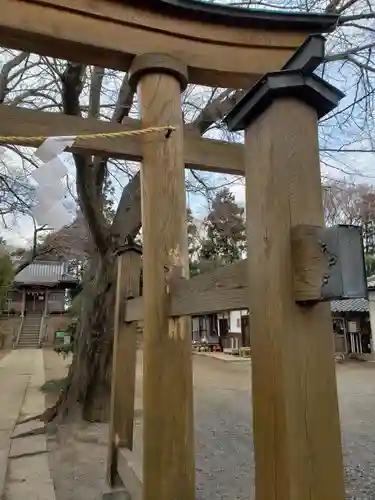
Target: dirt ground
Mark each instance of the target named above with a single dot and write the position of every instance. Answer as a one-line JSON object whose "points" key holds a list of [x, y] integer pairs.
{"points": [[224, 460]]}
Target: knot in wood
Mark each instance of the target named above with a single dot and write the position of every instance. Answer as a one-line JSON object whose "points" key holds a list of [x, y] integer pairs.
{"points": [[173, 274]]}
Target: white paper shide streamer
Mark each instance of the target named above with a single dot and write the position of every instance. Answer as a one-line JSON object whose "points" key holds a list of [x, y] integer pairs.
{"points": [[51, 209]]}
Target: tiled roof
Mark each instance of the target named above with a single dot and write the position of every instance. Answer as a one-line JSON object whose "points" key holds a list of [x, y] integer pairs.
{"points": [[44, 272], [350, 305]]}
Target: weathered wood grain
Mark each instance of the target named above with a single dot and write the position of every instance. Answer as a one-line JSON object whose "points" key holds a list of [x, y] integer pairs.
{"points": [[199, 153], [124, 362], [310, 264], [216, 55], [223, 289], [168, 434], [296, 426]]}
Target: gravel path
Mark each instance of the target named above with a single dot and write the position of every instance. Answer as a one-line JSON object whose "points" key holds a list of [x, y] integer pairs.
{"points": [[225, 466], [224, 442]]}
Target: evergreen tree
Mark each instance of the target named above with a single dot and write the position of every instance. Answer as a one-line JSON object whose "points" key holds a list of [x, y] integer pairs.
{"points": [[6, 275], [370, 265], [225, 230], [366, 210], [193, 243]]}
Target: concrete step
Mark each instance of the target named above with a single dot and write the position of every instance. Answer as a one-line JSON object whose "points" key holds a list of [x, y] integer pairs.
{"points": [[28, 347]]}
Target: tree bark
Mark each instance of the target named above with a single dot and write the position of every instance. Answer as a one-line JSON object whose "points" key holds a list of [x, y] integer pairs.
{"points": [[87, 390]]}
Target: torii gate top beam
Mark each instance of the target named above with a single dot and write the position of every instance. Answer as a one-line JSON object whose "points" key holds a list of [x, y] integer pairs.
{"points": [[222, 46]]}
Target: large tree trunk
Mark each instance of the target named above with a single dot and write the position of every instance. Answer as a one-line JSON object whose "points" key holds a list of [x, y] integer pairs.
{"points": [[88, 383], [92, 371]]}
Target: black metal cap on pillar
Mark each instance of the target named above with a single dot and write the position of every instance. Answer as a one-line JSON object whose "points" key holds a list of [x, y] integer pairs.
{"points": [[311, 89], [308, 56]]}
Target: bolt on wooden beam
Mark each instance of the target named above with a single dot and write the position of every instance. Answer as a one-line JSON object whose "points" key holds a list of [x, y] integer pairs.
{"points": [[328, 263]]}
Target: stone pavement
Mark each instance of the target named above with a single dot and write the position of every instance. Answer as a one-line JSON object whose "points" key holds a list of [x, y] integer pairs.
{"points": [[24, 468], [222, 356]]}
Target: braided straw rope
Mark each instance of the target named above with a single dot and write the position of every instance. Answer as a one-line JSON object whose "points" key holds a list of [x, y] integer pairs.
{"points": [[142, 131]]}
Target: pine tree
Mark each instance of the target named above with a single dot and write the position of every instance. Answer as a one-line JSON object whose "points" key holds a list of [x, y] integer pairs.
{"points": [[193, 243], [225, 230]]}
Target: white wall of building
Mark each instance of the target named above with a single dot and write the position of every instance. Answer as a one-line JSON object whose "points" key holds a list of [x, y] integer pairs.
{"points": [[235, 320]]}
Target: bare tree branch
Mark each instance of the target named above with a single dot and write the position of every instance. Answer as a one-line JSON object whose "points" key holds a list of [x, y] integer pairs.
{"points": [[5, 72], [95, 91]]}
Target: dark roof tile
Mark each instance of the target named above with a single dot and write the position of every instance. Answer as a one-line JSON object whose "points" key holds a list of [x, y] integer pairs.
{"points": [[44, 272]]}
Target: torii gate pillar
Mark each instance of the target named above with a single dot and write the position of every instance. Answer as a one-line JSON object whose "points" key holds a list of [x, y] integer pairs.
{"points": [[296, 426], [168, 433]]}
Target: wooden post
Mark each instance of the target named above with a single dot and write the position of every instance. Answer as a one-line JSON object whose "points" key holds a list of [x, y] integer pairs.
{"points": [[168, 438], [46, 298], [297, 438], [124, 359], [23, 306]]}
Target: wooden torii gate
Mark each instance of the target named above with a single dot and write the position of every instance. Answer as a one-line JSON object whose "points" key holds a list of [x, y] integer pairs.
{"points": [[164, 45]]}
